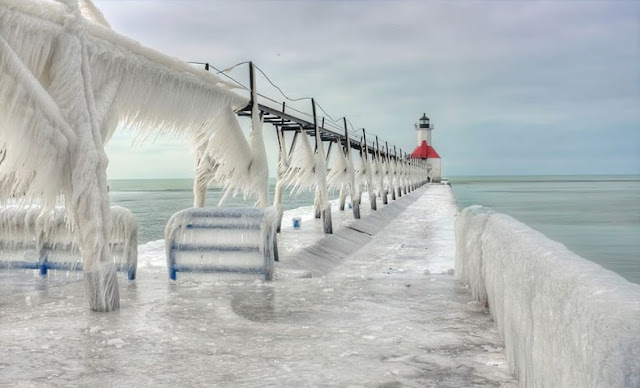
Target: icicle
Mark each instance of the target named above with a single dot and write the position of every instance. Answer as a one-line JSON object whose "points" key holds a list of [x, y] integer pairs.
{"points": [[91, 12], [283, 165], [365, 174], [384, 179], [354, 189], [65, 83], [321, 186], [301, 173], [338, 172]]}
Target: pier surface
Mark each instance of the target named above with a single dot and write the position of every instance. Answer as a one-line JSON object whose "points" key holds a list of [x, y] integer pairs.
{"points": [[387, 315]]}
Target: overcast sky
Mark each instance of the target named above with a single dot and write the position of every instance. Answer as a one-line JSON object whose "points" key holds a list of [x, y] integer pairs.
{"points": [[544, 87]]}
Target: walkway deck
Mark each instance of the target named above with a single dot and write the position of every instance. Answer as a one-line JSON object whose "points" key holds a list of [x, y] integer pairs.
{"points": [[374, 318]]}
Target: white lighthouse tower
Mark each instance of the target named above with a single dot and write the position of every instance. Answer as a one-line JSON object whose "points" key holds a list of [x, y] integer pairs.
{"points": [[424, 129], [425, 149]]}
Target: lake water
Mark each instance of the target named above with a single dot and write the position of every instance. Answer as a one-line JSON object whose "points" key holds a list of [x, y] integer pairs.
{"points": [[597, 217], [154, 201]]}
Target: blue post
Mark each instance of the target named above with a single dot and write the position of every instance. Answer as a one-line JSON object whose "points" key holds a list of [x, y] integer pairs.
{"points": [[172, 262], [43, 263]]}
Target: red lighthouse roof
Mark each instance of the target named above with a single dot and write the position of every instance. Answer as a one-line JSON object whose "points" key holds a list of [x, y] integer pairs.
{"points": [[424, 151]]}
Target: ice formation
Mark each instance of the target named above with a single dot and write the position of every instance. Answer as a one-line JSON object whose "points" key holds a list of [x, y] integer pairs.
{"points": [[376, 173], [284, 161], [402, 176], [354, 189], [65, 83], [300, 175], [363, 175], [322, 194], [384, 178], [392, 177], [565, 321], [405, 175], [342, 177], [32, 234], [243, 245], [240, 166]]}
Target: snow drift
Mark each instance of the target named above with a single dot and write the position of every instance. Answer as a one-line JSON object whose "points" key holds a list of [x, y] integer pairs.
{"points": [[565, 321]]}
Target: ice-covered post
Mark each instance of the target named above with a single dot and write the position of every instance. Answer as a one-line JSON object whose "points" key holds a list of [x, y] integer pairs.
{"points": [[351, 175], [389, 172], [403, 173], [371, 192], [383, 171], [342, 197], [409, 174], [321, 176], [205, 171], [414, 175], [282, 169], [408, 179], [284, 160], [317, 200], [88, 162], [398, 173], [256, 144]]}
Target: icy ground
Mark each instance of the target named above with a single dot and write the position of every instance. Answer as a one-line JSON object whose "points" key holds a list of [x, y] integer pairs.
{"points": [[376, 318]]}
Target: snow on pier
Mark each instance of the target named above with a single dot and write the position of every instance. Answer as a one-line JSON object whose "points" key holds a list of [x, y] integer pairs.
{"points": [[376, 317]]}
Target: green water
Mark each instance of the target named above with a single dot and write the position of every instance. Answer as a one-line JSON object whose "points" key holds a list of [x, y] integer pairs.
{"points": [[597, 217]]}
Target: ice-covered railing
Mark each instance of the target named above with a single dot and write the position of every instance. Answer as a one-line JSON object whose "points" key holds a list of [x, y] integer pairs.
{"points": [[31, 238], [237, 243], [66, 81], [565, 321]]}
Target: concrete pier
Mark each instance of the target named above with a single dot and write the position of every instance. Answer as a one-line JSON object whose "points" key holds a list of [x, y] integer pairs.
{"points": [[385, 314]]}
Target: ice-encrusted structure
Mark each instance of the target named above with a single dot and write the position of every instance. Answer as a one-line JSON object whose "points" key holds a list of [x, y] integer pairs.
{"points": [[242, 244], [566, 321], [36, 238], [240, 166], [66, 81], [338, 175], [342, 177], [392, 172], [384, 179], [376, 173], [301, 171], [402, 170], [363, 176], [350, 182], [284, 161], [322, 194]]}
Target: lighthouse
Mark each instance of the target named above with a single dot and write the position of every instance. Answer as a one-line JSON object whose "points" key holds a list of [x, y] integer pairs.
{"points": [[425, 150]]}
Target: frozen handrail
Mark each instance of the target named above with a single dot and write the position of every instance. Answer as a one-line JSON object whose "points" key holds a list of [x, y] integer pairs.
{"points": [[565, 321], [236, 242], [46, 240]]}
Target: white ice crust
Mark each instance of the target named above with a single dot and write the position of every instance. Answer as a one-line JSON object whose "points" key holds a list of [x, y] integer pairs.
{"points": [[25, 232], [566, 322], [228, 242], [66, 81]]}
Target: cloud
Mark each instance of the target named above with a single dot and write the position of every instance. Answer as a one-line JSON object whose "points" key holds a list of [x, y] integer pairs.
{"points": [[502, 81]]}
